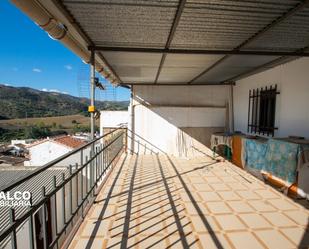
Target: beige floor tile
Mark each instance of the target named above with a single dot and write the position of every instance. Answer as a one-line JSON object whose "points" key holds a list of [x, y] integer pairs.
{"points": [[267, 194], [196, 179], [229, 222], [148, 226], [192, 210], [274, 240], [237, 186], [300, 237], [229, 195], [213, 179], [261, 205], [220, 187], [83, 243], [240, 206], [213, 241], [228, 179], [210, 196], [248, 195], [300, 217], [171, 226], [117, 227], [218, 207], [199, 226], [255, 221], [150, 242], [282, 204], [244, 240], [278, 219], [116, 242], [189, 240], [96, 212], [202, 187], [95, 228]]}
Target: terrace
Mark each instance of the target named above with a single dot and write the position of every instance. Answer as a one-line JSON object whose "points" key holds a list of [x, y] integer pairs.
{"points": [[194, 68]]}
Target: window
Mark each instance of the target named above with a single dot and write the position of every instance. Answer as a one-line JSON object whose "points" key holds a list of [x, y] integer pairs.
{"points": [[262, 110]]}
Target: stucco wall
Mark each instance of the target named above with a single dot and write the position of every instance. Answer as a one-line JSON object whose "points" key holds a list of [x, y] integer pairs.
{"points": [[177, 119], [45, 152], [292, 114], [113, 119], [48, 151]]}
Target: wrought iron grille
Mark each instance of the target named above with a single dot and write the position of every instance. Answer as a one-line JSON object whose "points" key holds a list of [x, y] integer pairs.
{"points": [[262, 110]]}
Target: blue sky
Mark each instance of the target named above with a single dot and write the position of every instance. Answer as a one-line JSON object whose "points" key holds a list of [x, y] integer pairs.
{"points": [[28, 57]]}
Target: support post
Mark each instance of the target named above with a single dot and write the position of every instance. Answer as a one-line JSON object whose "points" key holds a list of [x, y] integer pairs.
{"points": [[92, 92]]}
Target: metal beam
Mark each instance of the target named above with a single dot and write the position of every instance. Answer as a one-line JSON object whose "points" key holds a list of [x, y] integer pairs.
{"points": [[197, 51], [173, 84], [257, 35], [171, 35]]}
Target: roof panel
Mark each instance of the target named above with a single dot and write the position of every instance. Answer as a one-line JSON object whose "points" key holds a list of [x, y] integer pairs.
{"points": [[182, 68], [125, 23], [225, 24], [134, 67], [290, 35], [232, 66]]}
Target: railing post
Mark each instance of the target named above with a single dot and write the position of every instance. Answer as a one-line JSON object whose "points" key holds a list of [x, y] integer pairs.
{"points": [[55, 207], [63, 201], [31, 240], [13, 235], [126, 140], [45, 239]]}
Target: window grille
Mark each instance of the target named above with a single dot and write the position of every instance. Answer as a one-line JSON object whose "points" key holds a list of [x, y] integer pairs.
{"points": [[262, 110]]}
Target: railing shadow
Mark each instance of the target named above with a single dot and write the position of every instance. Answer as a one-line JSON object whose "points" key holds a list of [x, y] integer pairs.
{"points": [[146, 205]]}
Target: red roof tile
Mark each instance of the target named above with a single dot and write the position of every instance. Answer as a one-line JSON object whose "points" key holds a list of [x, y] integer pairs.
{"points": [[70, 141]]}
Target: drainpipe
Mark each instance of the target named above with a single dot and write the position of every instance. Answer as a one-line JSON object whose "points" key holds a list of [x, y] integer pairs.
{"points": [[58, 31]]}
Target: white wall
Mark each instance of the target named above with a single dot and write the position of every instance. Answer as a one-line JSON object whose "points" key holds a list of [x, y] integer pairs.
{"points": [[292, 106], [112, 119], [48, 151], [177, 119], [45, 152]]}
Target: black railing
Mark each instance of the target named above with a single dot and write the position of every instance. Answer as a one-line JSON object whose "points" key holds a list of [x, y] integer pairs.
{"points": [[61, 193]]}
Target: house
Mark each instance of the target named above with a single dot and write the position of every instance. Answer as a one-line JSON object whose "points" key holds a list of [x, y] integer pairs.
{"points": [[47, 150], [22, 141], [112, 119]]}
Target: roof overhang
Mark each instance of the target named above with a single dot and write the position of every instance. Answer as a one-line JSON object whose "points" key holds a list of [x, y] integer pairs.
{"points": [[179, 42]]}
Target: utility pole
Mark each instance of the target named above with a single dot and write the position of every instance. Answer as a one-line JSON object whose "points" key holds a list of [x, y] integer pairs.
{"points": [[91, 108]]}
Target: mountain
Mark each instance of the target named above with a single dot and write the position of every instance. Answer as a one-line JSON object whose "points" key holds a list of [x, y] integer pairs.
{"points": [[21, 102]]}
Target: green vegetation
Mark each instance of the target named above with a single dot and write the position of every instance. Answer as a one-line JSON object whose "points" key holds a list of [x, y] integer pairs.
{"points": [[23, 102], [35, 132], [83, 128]]}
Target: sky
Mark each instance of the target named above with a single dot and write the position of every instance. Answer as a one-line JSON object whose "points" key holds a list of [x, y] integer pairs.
{"points": [[28, 57]]}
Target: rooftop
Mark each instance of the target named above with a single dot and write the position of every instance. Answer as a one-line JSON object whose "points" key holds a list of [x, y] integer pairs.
{"points": [[68, 141]]}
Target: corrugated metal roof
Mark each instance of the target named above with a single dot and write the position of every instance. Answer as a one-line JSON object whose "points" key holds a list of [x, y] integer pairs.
{"points": [[263, 25], [33, 185]]}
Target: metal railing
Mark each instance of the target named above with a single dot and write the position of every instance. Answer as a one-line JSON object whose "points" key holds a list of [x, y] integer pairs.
{"points": [[61, 193]]}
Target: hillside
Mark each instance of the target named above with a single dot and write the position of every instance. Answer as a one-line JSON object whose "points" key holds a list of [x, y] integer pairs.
{"points": [[22, 102]]}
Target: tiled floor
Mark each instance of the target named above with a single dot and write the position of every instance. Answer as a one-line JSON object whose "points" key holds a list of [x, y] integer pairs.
{"points": [[166, 202]]}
